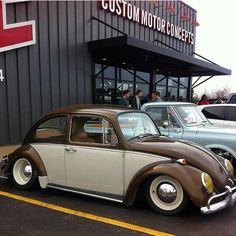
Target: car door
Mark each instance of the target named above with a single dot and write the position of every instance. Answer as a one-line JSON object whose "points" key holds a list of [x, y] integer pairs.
{"points": [[49, 142], [166, 120], [93, 161]]}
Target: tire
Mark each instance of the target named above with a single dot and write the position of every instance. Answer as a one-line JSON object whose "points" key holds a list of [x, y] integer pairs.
{"points": [[159, 201], [23, 173]]}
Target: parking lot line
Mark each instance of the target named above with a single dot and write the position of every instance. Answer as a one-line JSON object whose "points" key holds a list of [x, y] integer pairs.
{"points": [[85, 215]]}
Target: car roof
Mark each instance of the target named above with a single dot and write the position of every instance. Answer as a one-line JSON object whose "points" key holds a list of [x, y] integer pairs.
{"points": [[91, 109], [218, 105], [169, 103]]}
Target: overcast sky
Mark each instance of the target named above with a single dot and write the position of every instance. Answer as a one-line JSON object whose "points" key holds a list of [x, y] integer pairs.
{"points": [[216, 39]]}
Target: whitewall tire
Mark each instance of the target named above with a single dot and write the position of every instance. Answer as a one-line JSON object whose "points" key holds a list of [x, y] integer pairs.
{"points": [[24, 173], [165, 195]]}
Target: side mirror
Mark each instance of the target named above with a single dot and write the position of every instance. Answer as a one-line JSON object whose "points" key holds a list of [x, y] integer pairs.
{"points": [[165, 124]]}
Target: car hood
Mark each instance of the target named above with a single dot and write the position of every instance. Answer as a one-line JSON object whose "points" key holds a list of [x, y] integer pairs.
{"points": [[195, 155]]}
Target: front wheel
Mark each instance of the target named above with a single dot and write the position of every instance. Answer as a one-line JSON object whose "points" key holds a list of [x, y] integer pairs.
{"points": [[165, 195], [24, 173]]}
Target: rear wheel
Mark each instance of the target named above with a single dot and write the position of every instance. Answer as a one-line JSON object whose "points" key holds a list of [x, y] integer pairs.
{"points": [[24, 173], [165, 195]]}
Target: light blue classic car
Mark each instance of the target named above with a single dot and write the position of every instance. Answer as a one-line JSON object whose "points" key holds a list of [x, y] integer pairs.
{"points": [[185, 121]]}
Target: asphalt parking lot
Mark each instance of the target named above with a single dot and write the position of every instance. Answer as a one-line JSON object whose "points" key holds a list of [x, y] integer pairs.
{"points": [[53, 212]]}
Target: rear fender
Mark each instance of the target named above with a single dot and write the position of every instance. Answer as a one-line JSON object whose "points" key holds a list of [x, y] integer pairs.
{"points": [[29, 152], [189, 178]]}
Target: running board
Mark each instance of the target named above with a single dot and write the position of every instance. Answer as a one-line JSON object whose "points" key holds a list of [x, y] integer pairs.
{"points": [[3, 177], [91, 194]]}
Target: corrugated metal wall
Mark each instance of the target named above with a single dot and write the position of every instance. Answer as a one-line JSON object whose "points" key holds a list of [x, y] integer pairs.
{"points": [[57, 70]]}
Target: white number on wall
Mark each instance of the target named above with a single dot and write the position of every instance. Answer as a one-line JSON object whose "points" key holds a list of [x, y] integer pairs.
{"points": [[1, 76]]}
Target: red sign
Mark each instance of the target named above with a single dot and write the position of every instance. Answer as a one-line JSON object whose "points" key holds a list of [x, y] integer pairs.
{"points": [[15, 35]]}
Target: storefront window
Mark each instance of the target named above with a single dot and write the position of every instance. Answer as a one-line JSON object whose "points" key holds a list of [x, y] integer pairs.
{"points": [[184, 81], [173, 81], [109, 72], [98, 68], [127, 75], [142, 77], [161, 79]]}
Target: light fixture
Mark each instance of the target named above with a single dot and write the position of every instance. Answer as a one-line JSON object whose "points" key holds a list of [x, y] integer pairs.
{"points": [[104, 59], [184, 17], [123, 63], [170, 9], [195, 23]]}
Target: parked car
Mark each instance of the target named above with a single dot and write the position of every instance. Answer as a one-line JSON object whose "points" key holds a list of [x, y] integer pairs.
{"points": [[113, 153], [185, 121], [232, 98], [220, 114]]}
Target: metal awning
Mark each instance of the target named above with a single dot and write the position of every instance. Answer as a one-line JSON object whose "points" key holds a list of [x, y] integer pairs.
{"points": [[130, 52]]}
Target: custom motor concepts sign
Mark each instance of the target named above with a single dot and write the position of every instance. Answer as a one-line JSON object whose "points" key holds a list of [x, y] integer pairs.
{"points": [[15, 35], [136, 14]]}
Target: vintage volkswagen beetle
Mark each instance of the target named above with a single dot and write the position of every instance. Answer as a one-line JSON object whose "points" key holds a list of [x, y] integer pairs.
{"points": [[111, 153]]}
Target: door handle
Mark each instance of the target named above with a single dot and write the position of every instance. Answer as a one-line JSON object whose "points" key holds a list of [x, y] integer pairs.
{"points": [[177, 130], [70, 149]]}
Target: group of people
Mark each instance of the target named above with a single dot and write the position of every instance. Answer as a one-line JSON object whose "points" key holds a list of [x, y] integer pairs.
{"points": [[136, 101], [204, 100]]}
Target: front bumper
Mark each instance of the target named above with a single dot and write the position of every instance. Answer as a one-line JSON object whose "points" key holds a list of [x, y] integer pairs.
{"points": [[229, 199]]}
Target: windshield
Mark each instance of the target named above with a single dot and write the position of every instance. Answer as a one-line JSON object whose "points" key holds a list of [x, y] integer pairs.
{"points": [[191, 115], [135, 125]]}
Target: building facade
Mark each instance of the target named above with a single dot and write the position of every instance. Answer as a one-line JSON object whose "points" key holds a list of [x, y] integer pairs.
{"points": [[56, 53]]}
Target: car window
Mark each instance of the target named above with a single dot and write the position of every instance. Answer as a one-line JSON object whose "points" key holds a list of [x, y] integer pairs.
{"points": [[92, 130], [133, 125], [162, 116], [233, 99], [53, 129], [230, 113], [214, 112]]}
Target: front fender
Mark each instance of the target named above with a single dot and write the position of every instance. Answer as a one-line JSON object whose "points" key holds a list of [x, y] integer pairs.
{"points": [[223, 147], [29, 152], [189, 178]]}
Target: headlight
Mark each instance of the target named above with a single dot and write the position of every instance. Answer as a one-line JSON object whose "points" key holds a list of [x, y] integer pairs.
{"points": [[229, 167], [207, 182]]}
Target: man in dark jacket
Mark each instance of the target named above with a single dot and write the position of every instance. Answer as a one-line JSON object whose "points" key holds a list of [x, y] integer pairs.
{"points": [[124, 101]]}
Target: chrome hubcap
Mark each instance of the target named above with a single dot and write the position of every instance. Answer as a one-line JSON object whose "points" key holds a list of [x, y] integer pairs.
{"points": [[166, 192]]}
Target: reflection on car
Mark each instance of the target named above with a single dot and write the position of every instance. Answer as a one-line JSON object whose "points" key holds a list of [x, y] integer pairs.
{"points": [[115, 153], [220, 114]]}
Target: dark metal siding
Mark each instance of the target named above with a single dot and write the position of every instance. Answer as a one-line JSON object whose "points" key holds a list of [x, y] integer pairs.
{"points": [[57, 70]]}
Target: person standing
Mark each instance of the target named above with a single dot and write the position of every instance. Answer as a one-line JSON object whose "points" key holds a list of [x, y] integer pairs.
{"points": [[124, 101], [203, 100], [157, 97], [219, 101], [136, 103]]}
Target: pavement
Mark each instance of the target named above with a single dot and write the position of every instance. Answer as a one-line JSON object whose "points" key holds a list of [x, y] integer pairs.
{"points": [[8, 149]]}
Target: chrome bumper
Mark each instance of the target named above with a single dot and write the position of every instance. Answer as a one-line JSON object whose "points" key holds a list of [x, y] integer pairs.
{"points": [[229, 200]]}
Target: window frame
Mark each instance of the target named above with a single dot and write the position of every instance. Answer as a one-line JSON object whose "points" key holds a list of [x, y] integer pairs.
{"points": [[51, 140], [78, 143]]}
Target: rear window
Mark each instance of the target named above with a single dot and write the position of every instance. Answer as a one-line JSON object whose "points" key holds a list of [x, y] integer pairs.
{"points": [[214, 113], [231, 113]]}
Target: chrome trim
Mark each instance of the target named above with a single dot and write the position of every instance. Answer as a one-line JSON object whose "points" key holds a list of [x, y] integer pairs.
{"points": [[83, 193], [230, 198], [166, 192]]}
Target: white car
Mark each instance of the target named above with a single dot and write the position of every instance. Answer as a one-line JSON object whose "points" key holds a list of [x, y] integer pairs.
{"points": [[220, 114], [232, 98]]}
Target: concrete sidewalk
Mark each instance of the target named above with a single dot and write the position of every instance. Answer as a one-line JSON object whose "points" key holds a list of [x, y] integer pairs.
{"points": [[7, 149]]}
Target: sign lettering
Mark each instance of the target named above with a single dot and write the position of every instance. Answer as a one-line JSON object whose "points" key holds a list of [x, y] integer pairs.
{"points": [[145, 18], [15, 35]]}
